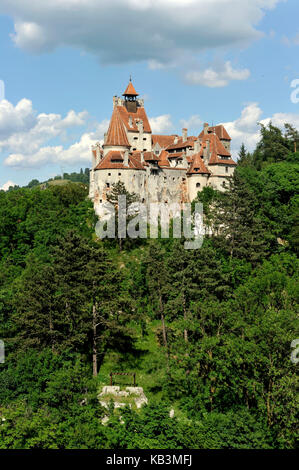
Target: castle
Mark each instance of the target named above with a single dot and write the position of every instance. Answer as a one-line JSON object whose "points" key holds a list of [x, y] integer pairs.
{"points": [[159, 168]]}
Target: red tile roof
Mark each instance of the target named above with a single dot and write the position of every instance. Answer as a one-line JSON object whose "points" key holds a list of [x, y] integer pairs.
{"points": [[181, 144], [198, 166], [175, 155], [217, 151], [219, 130], [116, 135], [150, 156], [163, 140], [130, 90], [163, 161], [115, 159], [140, 114]]}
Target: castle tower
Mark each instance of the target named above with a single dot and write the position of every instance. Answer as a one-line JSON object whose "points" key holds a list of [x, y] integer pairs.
{"points": [[130, 95]]}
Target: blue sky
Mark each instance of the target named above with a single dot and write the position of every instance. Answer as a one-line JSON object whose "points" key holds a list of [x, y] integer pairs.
{"points": [[194, 61]]}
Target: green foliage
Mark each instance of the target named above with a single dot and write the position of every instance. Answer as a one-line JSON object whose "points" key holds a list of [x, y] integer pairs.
{"points": [[207, 331]]}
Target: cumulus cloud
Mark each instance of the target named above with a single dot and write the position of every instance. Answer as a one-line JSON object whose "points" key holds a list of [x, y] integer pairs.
{"points": [[77, 152], [161, 32], [216, 76], [245, 129], [22, 129], [192, 123], [26, 135], [7, 185], [161, 124]]}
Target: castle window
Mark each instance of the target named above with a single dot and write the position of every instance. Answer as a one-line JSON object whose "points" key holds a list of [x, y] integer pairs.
{"points": [[135, 138], [109, 174], [198, 185], [119, 174], [226, 169], [100, 201], [144, 150], [107, 185], [134, 150], [165, 179], [183, 179], [144, 138]]}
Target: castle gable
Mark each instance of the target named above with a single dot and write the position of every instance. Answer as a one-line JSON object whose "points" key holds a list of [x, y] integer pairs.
{"points": [[116, 135], [130, 120]]}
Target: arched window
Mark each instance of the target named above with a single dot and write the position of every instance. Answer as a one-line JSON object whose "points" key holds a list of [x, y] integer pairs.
{"points": [[198, 185]]}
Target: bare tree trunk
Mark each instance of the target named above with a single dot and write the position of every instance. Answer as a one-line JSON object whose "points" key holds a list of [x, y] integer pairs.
{"points": [[51, 331], [94, 342], [185, 318], [163, 321]]}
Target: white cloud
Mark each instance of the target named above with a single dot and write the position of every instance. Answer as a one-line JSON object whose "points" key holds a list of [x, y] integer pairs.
{"points": [[23, 130], [216, 76], [161, 32], [194, 122], [161, 124], [15, 118], [7, 185], [27, 135], [246, 130], [77, 152]]}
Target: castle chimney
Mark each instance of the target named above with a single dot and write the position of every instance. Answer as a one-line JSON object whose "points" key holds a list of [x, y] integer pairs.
{"points": [[205, 128], [206, 152], [126, 158], [175, 140], [184, 134], [141, 157], [196, 146], [115, 100], [97, 148]]}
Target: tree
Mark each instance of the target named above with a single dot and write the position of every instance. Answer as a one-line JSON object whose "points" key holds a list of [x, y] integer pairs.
{"points": [[88, 282], [272, 147], [238, 227], [119, 189], [292, 135], [245, 158], [158, 284]]}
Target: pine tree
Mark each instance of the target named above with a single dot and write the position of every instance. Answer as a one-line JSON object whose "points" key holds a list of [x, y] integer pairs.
{"points": [[158, 284], [292, 135], [75, 303], [91, 295], [245, 157], [119, 189], [272, 147], [238, 227]]}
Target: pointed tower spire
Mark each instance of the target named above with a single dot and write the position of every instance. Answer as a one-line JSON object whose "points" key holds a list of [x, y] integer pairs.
{"points": [[130, 90]]}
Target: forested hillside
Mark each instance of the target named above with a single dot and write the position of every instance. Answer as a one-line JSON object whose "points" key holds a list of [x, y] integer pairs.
{"points": [[208, 331]]}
